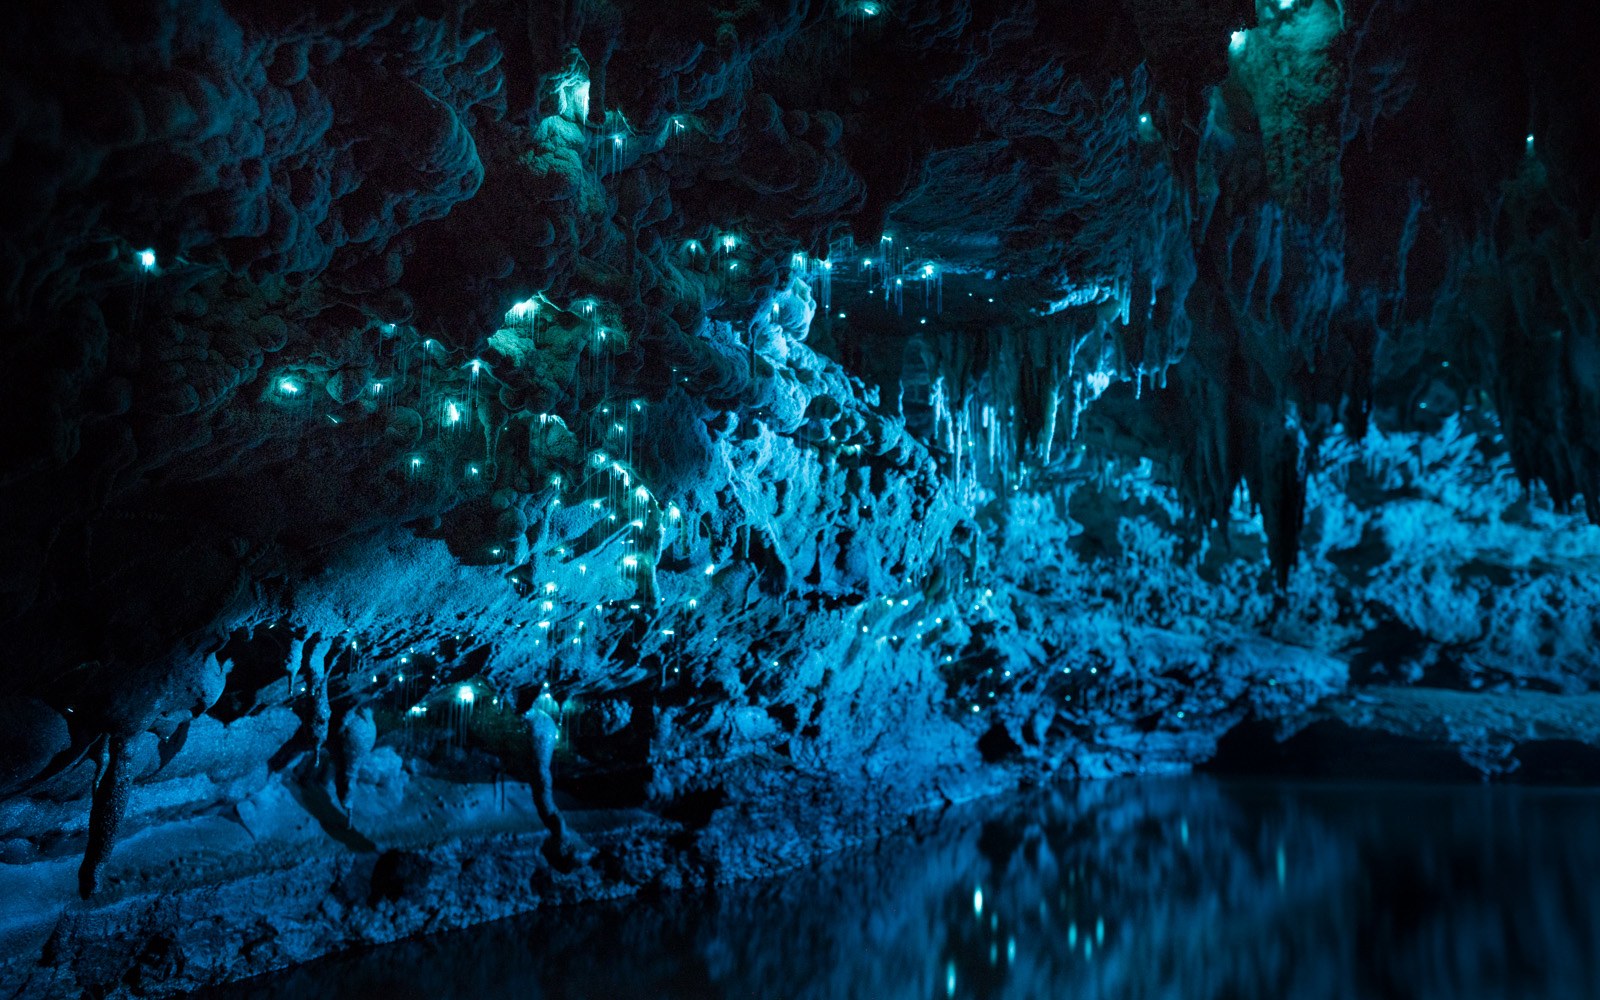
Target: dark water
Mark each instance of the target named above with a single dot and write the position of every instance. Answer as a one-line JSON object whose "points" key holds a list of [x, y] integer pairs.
{"points": [[1172, 888]]}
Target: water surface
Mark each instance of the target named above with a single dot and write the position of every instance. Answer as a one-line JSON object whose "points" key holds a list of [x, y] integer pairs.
{"points": [[1179, 888]]}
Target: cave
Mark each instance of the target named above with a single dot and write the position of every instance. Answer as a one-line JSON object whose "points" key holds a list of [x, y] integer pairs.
{"points": [[810, 498]]}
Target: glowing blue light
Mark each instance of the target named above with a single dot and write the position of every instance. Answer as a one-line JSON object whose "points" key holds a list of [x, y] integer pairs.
{"points": [[730, 241], [524, 309], [711, 569], [866, 262], [1285, 4], [572, 94], [147, 259], [867, 8], [377, 388], [465, 695], [1236, 42], [1144, 119], [289, 387], [452, 413], [1530, 143]]}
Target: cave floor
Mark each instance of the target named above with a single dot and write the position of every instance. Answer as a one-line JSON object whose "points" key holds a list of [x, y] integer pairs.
{"points": [[282, 878], [1171, 886]]}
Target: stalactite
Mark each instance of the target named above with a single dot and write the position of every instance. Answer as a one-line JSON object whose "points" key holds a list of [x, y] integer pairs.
{"points": [[110, 802], [357, 734], [564, 849]]}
